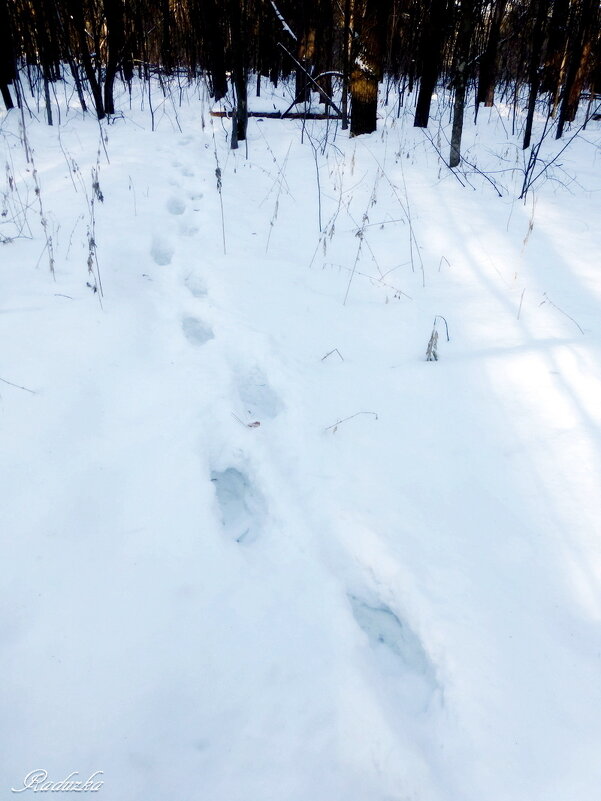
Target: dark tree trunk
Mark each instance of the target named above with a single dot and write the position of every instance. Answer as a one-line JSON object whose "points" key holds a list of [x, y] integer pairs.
{"points": [[430, 58], [558, 33], [326, 85], [369, 26], [113, 10], [345, 62], [241, 84], [8, 101], [274, 74], [458, 114], [239, 68], [45, 42], [364, 108], [7, 55], [211, 35], [94, 86], [302, 88], [167, 50], [77, 80], [534, 70], [76, 13], [486, 83], [467, 23], [580, 53], [306, 54], [47, 100], [427, 85], [323, 56]]}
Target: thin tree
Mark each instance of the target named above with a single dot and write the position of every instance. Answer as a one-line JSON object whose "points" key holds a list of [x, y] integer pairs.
{"points": [[466, 26]]}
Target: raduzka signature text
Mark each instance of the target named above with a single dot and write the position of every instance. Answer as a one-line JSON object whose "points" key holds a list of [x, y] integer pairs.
{"points": [[38, 781]]}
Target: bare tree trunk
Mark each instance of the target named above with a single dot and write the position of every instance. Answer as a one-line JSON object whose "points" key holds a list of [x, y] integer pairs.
{"points": [[113, 10], [306, 54], [458, 113], [240, 68], [467, 24], [367, 65], [167, 50], [76, 13], [302, 87], [47, 100], [556, 49], [77, 80], [580, 53], [345, 63], [212, 39], [7, 55], [536, 58], [241, 85], [430, 57], [486, 83], [8, 101]]}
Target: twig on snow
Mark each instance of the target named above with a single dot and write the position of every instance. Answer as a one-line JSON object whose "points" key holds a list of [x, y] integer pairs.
{"points": [[323, 358], [254, 424], [18, 386], [547, 298], [334, 426]]}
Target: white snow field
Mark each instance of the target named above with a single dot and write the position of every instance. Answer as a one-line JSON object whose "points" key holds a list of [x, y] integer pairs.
{"points": [[254, 546]]}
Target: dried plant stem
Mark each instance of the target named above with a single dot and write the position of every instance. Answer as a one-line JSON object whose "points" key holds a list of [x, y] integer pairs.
{"points": [[219, 188], [547, 299], [335, 425], [18, 386]]}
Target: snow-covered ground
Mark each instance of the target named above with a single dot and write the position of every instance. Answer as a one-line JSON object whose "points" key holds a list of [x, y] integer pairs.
{"points": [[254, 546]]}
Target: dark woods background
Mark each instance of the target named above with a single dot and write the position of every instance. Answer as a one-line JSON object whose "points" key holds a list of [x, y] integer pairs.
{"points": [[544, 51]]}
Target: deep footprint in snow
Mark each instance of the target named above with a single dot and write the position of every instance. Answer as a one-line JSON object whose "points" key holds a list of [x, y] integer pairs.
{"points": [[242, 506], [184, 170], [259, 399], [175, 205], [196, 332], [161, 251], [188, 229], [196, 286], [385, 629]]}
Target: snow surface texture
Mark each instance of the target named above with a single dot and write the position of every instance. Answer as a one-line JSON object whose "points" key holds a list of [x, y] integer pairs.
{"points": [[257, 548]]}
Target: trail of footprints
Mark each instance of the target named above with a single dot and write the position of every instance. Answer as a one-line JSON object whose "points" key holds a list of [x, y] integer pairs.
{"points": [[162, 247], [242, 506]]}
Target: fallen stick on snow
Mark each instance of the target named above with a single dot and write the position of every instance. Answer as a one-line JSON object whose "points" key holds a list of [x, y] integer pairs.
{"points": [[338, 422]]}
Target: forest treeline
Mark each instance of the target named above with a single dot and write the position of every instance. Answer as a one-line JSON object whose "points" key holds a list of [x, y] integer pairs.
{"points": [[548, 49]]}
